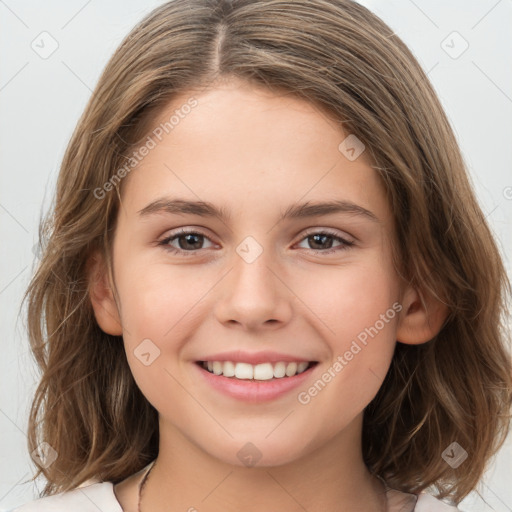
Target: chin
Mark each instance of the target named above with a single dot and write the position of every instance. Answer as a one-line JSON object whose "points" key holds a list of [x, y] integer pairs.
{"points": [[257, 453]]}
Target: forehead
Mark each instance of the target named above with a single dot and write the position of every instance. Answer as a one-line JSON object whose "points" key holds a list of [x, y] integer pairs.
{"points": [[243, 146]]}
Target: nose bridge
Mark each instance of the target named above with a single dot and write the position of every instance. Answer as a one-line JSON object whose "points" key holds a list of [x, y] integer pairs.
{"points": [[252, 293], [251, 272]]}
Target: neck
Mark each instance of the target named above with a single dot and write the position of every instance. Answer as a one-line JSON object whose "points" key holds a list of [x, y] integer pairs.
{"points": [[330, 478]]}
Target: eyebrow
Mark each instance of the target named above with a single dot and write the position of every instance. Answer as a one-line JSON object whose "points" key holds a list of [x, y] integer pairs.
{"points": [[295, 211]]}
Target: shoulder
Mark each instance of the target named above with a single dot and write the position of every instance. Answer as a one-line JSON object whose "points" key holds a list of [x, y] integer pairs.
{"points": [[427, 503], [406, 502], [88, 498]]}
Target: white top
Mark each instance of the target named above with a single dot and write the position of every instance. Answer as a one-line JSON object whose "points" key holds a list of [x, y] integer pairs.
{"points": [[94, 495]]}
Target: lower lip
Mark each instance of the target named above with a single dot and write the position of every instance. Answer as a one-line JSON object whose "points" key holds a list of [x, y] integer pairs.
{"points": [[254, 391]]}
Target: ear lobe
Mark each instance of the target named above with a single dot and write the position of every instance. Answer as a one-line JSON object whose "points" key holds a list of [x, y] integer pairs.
{"points": [[422, 318], [102, 296]]}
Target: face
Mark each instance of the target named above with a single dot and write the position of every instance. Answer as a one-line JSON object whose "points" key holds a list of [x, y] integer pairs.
{"points": [[317, 286]]}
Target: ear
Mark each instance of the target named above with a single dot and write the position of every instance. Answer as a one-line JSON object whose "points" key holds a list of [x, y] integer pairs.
{"points": [[102, 296], [422, 317]]}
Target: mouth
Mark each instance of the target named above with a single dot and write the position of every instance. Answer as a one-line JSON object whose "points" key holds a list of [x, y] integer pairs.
{"points": [[236, 370], [259, 383]]}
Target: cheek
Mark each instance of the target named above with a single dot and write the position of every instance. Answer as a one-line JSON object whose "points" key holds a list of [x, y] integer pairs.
{"points": [[156, 298], [349, 299], [158, 317], [357, 310], [152, 304]]}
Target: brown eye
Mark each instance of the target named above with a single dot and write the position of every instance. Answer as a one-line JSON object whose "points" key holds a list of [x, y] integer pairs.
{"points": [[187, 241], [322, 241]]}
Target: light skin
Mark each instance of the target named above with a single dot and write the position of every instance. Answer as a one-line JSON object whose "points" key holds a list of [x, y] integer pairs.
{"points": [[255, 153]]}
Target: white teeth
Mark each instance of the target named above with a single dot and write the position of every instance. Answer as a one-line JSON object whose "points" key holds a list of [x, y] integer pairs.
{"points": [[279, 370], [301, 367], [228, 369], [291, 369], [217, 367], [243, 371], [263, 371]]}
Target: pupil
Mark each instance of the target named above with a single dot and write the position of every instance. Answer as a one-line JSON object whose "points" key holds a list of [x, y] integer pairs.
{"points": [[187, 238], [316, 237]]}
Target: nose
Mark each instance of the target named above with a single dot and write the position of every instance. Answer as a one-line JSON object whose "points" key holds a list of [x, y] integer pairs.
{"points": [[254, 293]]}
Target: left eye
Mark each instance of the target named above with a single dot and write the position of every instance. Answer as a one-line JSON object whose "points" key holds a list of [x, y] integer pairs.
{"points": [[189, 242], [320, 237]]}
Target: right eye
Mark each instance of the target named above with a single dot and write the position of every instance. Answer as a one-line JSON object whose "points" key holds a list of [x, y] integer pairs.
{"points": [[191, 239]]}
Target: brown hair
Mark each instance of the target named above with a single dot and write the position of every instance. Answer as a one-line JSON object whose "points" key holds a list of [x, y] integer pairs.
{"points": [[340, 56]]}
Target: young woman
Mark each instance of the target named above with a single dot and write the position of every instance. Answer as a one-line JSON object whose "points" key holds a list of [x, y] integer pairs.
{"points": [[266, 282]]}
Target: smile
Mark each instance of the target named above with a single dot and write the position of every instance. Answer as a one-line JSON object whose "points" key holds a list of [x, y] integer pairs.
{"points": [[255, 383], [263, 371]]}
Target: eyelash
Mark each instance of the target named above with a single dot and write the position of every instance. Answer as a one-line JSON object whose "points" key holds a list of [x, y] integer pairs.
{"points": [[165, 243]]}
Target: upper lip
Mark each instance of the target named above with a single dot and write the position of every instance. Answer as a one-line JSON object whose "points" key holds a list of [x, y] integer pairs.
{"points": [[265, 356]]}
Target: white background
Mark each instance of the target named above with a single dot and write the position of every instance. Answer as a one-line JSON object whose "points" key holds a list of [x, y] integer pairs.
{"points": [[41, 100]]}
